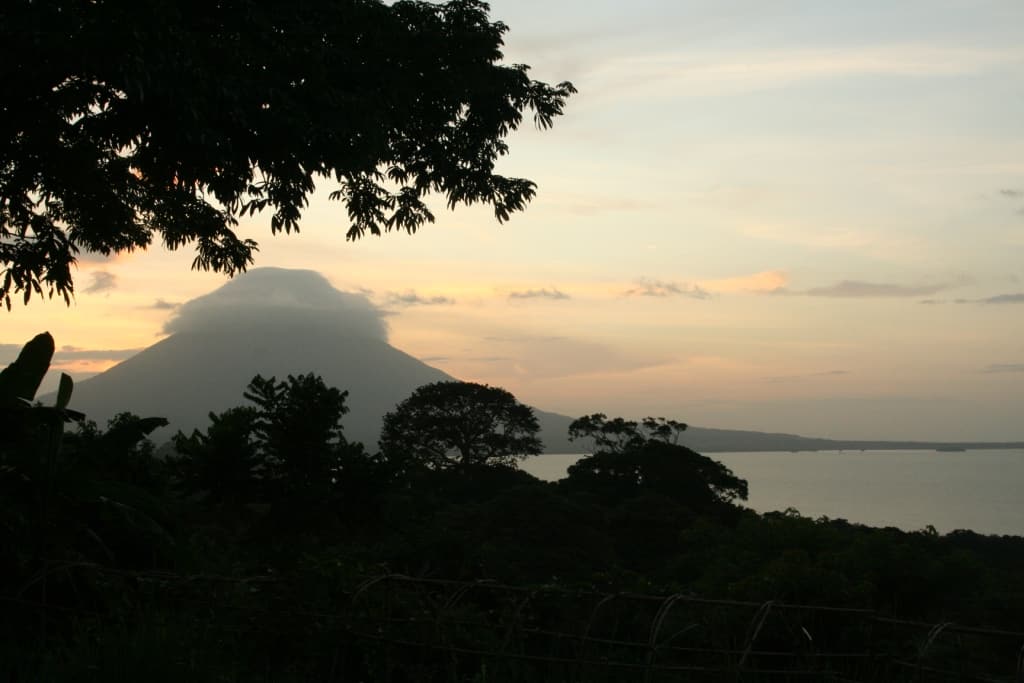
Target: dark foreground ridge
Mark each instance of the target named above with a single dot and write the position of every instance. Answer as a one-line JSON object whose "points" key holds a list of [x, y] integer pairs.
{"points": [[272, 547]]}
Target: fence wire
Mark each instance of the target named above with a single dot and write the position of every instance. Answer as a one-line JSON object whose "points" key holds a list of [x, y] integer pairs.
{"points": [[412, 628]]}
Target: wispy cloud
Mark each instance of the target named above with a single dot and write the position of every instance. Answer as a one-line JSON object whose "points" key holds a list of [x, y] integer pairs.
{"points": [[161, 305], [766, 281], [860, 289], [75, 353], [554, 294], [733, 72], [86, 256], [817, 236], [661, 288], [467, 359], [8, 352], [592, 206], [411, 298], [71, 355], [524, 338], [1014, 194], [809, 375], [95, 257], [102, 281], [536, 357], [1016, 298], [1004, 367]]}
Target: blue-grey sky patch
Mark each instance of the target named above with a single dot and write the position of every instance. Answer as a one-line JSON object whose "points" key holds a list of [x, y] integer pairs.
{"points": [[553, 294], [102, 281]]}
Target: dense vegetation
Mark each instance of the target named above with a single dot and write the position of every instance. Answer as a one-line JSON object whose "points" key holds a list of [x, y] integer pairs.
{"points": [[249, 551]]}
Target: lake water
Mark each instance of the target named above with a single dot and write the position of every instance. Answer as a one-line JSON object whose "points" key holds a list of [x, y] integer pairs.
{"points": [[980, 490]]}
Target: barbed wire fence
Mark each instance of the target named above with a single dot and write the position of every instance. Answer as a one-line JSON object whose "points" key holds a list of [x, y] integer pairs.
{"points": [[405, 628]]}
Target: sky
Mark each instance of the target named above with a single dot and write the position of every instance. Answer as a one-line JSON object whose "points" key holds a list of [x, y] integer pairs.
{"points": [[779, 215]]}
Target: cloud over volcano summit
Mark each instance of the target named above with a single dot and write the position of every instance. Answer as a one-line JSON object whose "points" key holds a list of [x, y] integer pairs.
{"points": [[278, 295]]}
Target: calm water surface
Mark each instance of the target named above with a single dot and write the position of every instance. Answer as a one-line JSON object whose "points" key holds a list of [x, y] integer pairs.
{"points": [[978, 490]]}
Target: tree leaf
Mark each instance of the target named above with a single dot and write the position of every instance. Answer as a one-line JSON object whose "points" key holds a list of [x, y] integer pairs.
{"points": [[21, 379], [64, 392]]}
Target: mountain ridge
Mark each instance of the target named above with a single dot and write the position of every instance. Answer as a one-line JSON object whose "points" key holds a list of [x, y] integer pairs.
{"points": [[276, 322], [187, 375]]}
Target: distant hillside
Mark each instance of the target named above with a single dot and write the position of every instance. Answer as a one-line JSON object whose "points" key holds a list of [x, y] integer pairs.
{"points": [[704, 440], [189, 374], [277, 322], [728, 440]]}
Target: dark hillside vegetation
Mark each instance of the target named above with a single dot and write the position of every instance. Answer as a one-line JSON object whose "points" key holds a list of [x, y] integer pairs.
{"points": [[270, 547]]}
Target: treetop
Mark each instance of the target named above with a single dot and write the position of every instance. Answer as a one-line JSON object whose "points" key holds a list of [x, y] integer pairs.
{"points": [[123, 122]]}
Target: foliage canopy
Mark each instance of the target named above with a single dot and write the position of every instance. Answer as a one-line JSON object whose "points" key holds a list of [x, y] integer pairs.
{"points": [[668, 469], [188, 116], [447, 425], [618, 434], [634, 457]]}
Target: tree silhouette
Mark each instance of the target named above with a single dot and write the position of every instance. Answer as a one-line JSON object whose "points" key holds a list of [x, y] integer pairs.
{"points": [[186, 118], [618, 434], [632, 457], [668, 469], [662, 429], [223, 462], [448, 425], [297, 431]]}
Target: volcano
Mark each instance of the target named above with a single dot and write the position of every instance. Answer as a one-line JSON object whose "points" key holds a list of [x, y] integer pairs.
{"points": [[272, 322]]}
